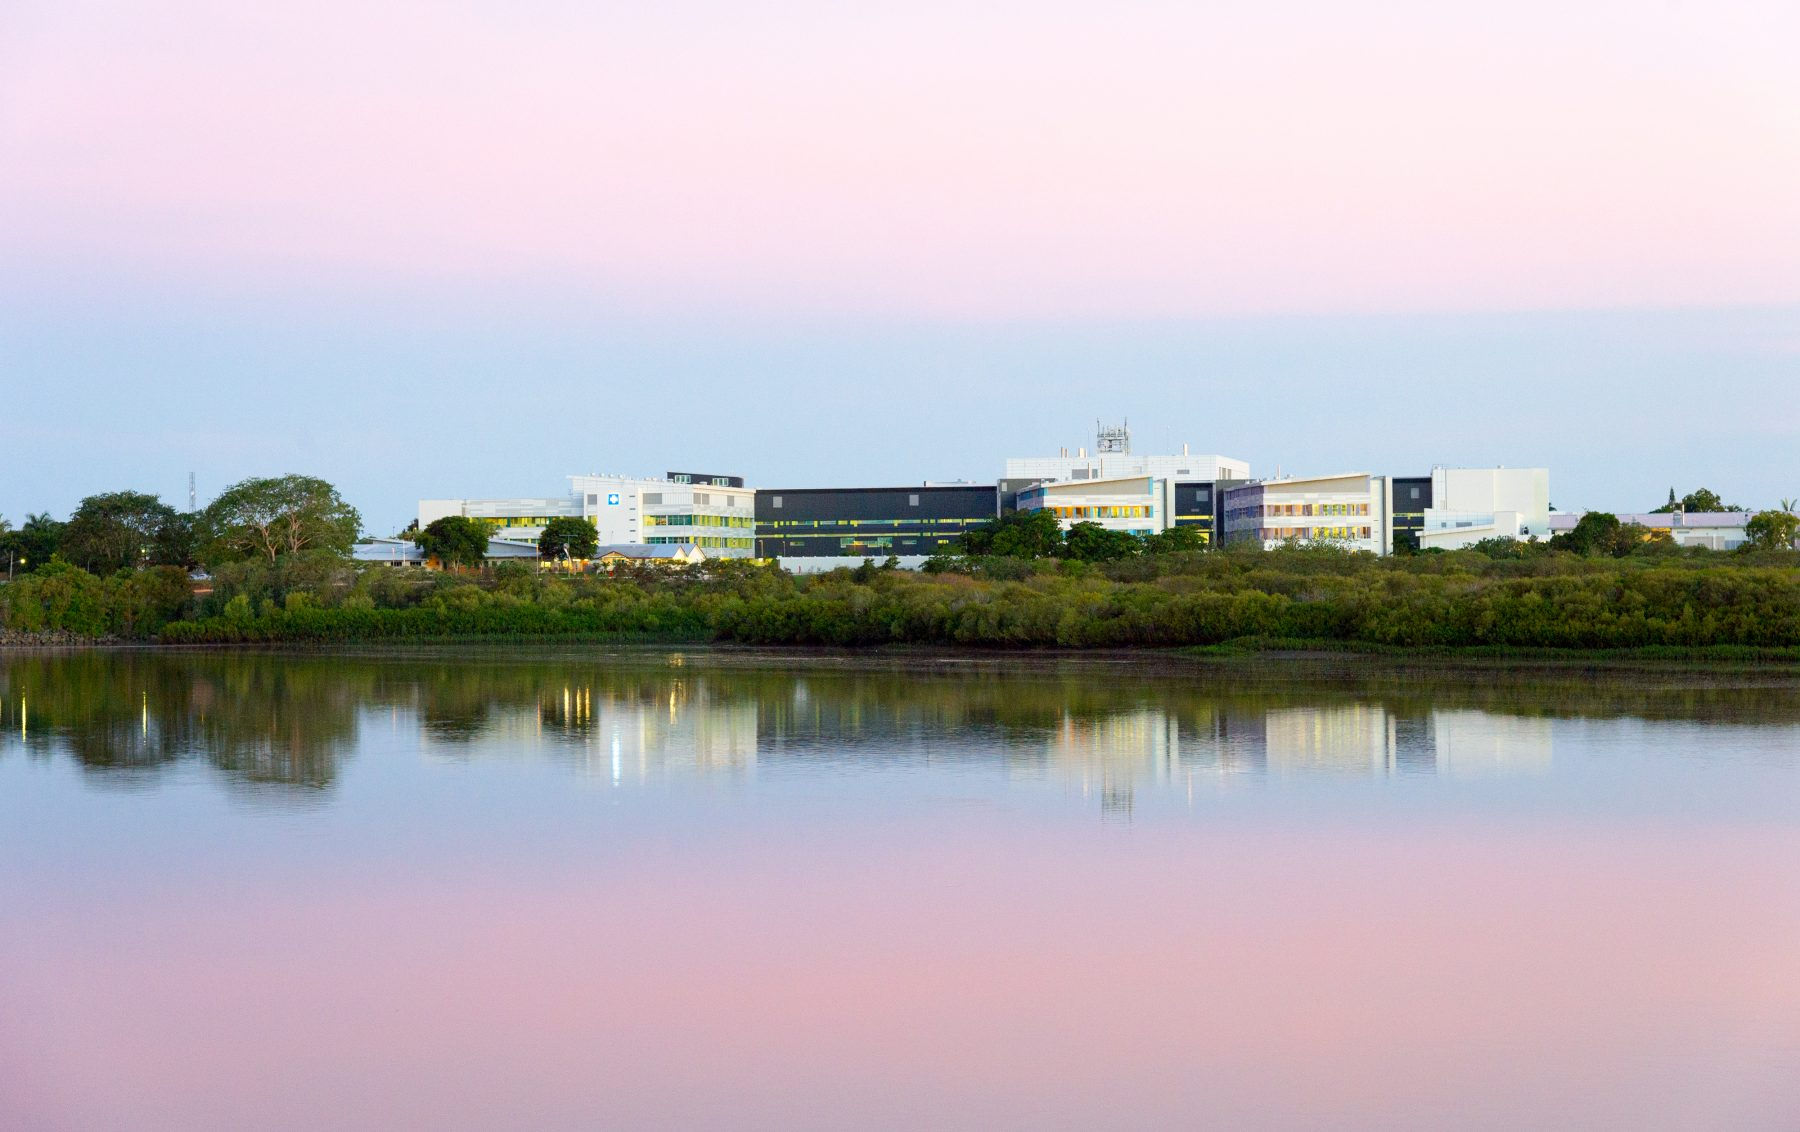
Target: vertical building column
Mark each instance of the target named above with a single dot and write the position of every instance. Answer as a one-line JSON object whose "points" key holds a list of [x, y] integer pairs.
{"points": [[1384, 529]]}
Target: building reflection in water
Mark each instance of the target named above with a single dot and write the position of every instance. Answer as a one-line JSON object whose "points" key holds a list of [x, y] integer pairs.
{"points": [[674, 729], [288, 723], [1113, 756]]}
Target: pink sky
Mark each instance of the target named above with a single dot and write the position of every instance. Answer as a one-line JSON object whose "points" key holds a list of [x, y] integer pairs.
{"points": [[1591, 975], [1015, 160]]}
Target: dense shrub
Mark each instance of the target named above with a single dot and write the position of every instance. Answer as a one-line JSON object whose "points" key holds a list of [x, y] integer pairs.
{"points": [[1456, 599]]}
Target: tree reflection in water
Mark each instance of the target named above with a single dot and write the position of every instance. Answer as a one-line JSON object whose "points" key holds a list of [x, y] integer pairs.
{"points": [[284, 722]]}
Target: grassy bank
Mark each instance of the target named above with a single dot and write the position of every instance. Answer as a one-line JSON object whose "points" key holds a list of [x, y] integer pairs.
{"points": [[1308, 598]]}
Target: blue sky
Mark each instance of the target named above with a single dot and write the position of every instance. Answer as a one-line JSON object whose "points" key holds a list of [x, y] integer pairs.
{"points": [[404, 401], [423, 249]]}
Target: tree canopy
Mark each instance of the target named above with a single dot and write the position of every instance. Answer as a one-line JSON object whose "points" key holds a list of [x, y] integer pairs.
{"points": [[33, 544], [1091, 542], [455, 540], [269, 517], [1594, 532], [1699, 500], [575, 537], [1016, 534], [1175, 540], [1772, 530], [1038, 534], [120, 530]]}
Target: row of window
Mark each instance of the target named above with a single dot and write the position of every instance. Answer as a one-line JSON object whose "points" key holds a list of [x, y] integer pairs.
{"points": [[861, 544], [1274, 510], [744, 521], [1313, 532], [888, 524], [704, 540], [701, 499], [521, 520], [1111, 511], [912, 500]]}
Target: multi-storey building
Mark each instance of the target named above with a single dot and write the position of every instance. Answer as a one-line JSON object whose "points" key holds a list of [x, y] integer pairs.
{"points": [[1138, 505], [867, 522], [1466, 505], [1112, 458], [1350, 510], [1454, 507], [714, 512], [1176, 490]]}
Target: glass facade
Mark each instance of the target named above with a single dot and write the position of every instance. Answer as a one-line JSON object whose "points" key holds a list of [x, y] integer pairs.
{"points": [[868, 522], [1194, 506], [712, 542], [1114, 511], [1319, 533], [1411, 497], [741, 521]]}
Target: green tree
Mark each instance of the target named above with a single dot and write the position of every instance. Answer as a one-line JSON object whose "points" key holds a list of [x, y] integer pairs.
{"points": [[1502, 547], [1772, 530], [455, 540], [1627, 538], [1175, 540], [177, 541], [269, 517], [1594, 531], [33, 545], [574, 537], [1699, 500], [116, 530], [1091, 542], [1016, 534]]}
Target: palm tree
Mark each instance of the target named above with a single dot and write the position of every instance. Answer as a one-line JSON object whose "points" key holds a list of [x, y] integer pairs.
{"points": [[1786, 505]]}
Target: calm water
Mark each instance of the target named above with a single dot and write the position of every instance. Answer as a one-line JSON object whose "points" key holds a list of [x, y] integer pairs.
{"points": [[577, 890]]}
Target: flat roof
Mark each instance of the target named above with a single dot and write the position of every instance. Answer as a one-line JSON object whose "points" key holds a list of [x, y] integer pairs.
{"points": [[903, 487]]}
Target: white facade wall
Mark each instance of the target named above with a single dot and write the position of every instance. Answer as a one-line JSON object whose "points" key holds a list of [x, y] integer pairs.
{"points": [[1353, 510], [521, 508], [1115, 465], [1140, 505], [1471, 504], [721, 520]]}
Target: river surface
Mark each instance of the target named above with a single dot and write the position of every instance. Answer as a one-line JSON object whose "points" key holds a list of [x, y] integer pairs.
{"points": [[580, 889]]}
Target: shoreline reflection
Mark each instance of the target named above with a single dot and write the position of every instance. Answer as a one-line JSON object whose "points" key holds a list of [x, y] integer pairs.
{"points": [[284, 724]]}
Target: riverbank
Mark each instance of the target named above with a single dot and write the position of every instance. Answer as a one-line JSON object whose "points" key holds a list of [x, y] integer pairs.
{"points": [[1221, 600], [1484, 661]]}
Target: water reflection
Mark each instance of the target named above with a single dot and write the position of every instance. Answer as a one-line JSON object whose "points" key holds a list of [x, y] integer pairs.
{"points": [[285, 723]]}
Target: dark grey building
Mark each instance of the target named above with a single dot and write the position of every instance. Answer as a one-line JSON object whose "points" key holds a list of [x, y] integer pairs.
{"points": [[867, 522], [1412, 494]]}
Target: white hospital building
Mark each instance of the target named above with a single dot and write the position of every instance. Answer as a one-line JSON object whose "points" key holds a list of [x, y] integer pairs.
{"points": [[715, 513]]}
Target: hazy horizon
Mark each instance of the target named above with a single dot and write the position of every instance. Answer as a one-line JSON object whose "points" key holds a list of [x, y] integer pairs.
{"points": [[433, 253]]}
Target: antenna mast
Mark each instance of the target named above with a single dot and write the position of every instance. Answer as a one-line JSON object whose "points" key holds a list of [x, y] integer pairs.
{"points": [[1112, 439]]}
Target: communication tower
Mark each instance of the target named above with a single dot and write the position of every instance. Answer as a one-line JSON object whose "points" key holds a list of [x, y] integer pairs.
{"points": [[1112, 439]]}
